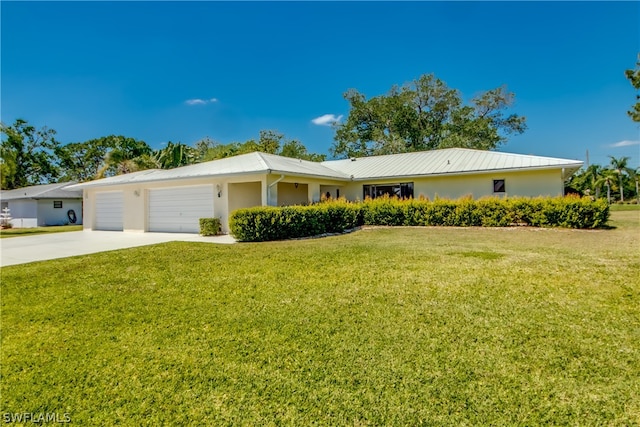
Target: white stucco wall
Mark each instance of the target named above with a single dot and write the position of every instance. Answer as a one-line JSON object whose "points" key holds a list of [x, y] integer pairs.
{"points": [[24, 213], [334, 191], [522, 183], [289, 195], [48, 215], [244, 195]]}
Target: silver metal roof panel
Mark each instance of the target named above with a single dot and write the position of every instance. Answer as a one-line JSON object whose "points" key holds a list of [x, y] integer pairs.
{"points": [[444, 161], [46, 191]]}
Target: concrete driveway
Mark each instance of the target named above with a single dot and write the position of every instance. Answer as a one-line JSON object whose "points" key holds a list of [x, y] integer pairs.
{"points": [[24, 249]]}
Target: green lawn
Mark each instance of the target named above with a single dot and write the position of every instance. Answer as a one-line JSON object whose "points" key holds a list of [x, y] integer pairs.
{"points": [[616, 207], [14, 232], [433, 326]]}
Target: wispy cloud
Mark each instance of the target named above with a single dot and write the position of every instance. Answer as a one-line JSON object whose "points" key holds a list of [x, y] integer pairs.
{"points": [[198, 101], [326, 120], [624, 143]]}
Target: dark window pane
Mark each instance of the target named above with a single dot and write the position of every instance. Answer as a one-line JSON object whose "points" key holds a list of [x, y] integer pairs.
{"points": [[406, 190], [498, 186]]}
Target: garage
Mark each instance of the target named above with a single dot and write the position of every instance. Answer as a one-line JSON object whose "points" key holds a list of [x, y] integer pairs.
{"points": [[109, 211], [179, 209]]}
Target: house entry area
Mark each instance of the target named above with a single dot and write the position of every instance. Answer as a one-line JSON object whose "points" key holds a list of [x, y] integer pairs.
{"points": [[179, 209]]}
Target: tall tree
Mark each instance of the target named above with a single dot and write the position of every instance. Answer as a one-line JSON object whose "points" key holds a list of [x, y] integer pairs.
{"points": [[634, 78], [81, 161], [621, 169], [175, 155], [295, 149], [607, 179], [587, 181], [125, 156], [27, 155], [424, 115]]}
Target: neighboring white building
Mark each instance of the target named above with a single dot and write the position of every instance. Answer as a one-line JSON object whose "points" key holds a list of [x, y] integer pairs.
{"points": [[173, 200], [41, 205]]}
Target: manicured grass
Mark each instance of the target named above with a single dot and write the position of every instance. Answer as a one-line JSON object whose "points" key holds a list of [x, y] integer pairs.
{"points": [[15, 232], [385, 326], [616, 207]]}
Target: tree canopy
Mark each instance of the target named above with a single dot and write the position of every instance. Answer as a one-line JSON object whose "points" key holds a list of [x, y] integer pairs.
{"points": [[269, 141], [27, 155], [424, 114], [634, 78], [615, 180], [175, 155]]}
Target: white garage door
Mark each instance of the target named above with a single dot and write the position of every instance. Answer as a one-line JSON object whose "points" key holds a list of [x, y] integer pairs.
{"points": [[109, 211], [179, 209]]}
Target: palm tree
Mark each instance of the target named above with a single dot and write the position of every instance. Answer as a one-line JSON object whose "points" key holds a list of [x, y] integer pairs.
{"points": [[606, 178], [591, 176], [620, 168], [175, 155]]}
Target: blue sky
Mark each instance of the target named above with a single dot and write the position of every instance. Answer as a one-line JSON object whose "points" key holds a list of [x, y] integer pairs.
{"points": [[178, 71]]}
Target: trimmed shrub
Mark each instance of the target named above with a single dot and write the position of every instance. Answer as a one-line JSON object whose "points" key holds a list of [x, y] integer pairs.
{"points": [[383, 211], [210, 226], [271, 223]]}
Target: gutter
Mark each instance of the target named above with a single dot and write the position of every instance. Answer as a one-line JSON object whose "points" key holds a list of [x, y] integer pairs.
{"points": [[271, 185]]}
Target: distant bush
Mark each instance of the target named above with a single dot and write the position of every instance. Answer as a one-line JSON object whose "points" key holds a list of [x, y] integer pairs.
{"points": [[336, 216], [209, 226]]}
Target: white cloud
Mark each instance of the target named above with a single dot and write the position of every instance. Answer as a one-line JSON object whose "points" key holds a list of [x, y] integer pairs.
{"points": [[326, 120], [625, 143], [198, 101]]}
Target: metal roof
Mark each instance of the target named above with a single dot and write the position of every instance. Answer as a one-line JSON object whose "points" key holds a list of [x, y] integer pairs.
{"points": [[436, 162], [244, 164], [45, 191], [445, 161]]}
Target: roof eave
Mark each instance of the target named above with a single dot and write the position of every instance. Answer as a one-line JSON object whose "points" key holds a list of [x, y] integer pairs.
{"points": [[310, 175], [575, 166]]}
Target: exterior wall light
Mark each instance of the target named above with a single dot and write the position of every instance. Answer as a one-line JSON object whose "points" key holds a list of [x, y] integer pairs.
{"points": [[219, 190]]}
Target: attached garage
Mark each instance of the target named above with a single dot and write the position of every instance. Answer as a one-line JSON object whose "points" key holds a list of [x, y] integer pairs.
{"points": [[179, 209], [109, 211]]}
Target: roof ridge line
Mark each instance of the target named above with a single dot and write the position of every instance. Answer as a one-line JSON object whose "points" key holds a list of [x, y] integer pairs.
{"points": [[264, 161]]}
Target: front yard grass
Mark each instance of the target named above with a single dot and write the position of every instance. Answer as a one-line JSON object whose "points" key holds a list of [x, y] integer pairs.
{"points": [[626, 207], [385, 326], [15, 232]]}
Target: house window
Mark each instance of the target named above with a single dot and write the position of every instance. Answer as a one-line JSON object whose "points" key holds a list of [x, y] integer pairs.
{"points": [[403, 190], [498, 186], [57, 204]]}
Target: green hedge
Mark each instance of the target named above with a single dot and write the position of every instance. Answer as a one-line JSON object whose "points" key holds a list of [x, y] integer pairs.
{"points": [[271, 223], [210, 226]]}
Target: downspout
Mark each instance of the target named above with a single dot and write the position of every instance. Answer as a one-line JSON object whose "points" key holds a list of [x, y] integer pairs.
{"points": [[563, 181], [271, 185]]}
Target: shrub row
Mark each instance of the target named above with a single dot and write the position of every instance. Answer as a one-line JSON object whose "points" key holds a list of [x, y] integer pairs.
{"points": [[568, 212], [272, 223]]}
